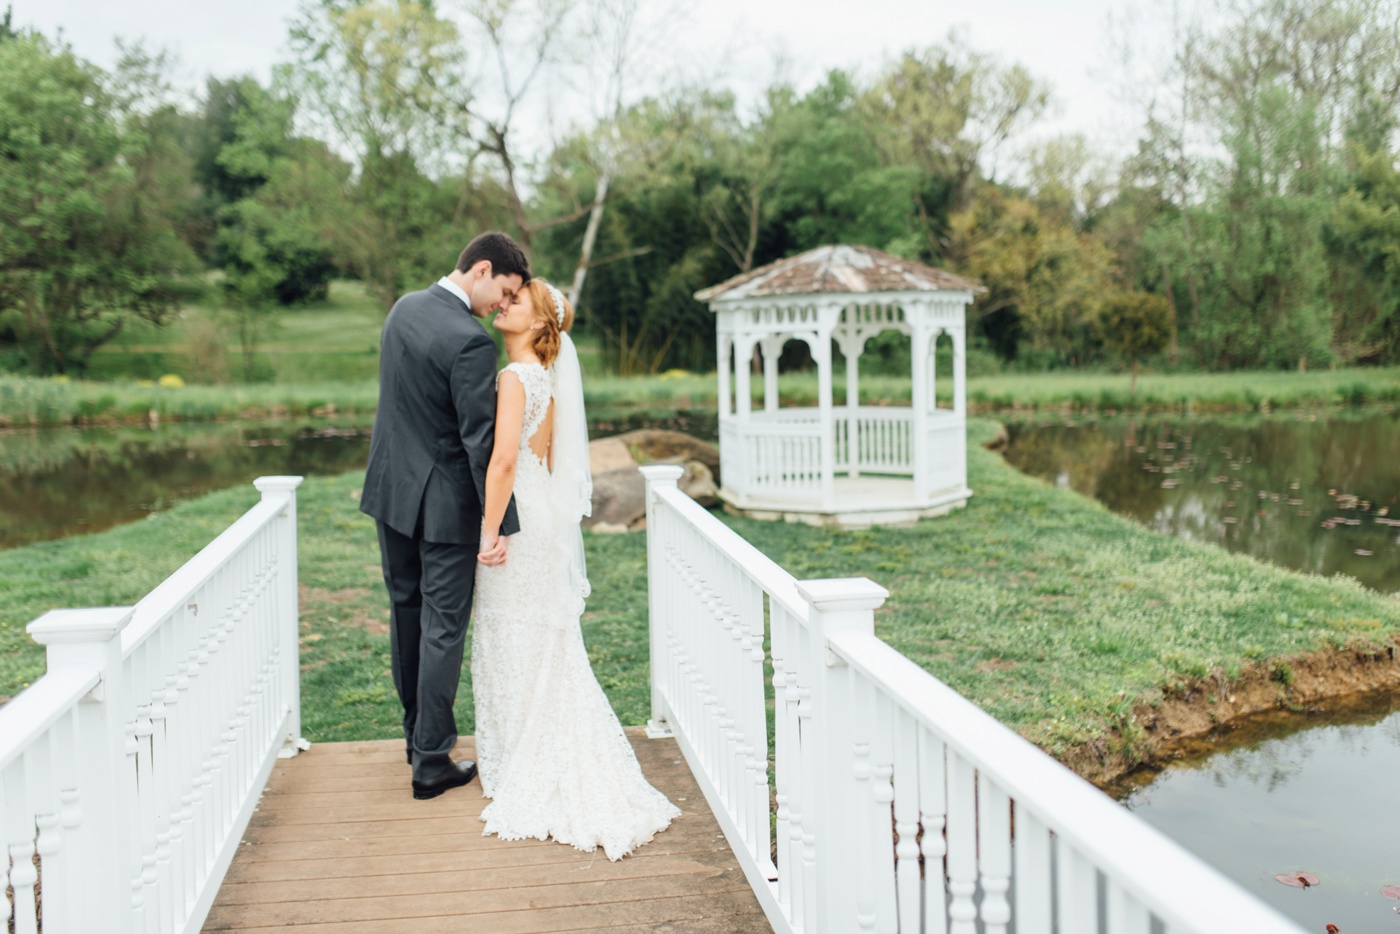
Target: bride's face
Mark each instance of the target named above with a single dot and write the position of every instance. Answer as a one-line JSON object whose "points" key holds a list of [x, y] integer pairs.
{"points": [[518, 316]]}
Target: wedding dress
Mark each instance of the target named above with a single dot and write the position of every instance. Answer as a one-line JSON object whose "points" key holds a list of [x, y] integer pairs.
{"points": [[551, 752]]}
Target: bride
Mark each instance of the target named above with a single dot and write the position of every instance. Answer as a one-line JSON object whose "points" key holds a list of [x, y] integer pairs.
{"points": [[551, 752]]}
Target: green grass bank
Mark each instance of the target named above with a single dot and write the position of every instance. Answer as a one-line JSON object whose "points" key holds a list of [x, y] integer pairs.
{"points": [[1067, 623], [36, 402]]}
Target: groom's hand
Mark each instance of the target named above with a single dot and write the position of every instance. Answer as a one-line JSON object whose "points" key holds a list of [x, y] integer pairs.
{"points": [[493, 550]]}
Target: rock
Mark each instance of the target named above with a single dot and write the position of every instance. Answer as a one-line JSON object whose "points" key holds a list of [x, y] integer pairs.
{"points": [[609, 454], [659, 445], [697, 482], [619, 498]]}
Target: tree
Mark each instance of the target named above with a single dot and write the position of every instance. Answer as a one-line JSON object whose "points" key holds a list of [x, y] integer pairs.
{"points": [[521, 37], [383, 79], [947, 110], [274, 241], [94, 187], [1363, 239], [1136, 325], [1046, 282]]}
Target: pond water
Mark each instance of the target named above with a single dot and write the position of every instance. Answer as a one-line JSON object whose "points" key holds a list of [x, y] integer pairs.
{"points": [[1310, 492], [67, 481], [58, 482], [1267, 796]]}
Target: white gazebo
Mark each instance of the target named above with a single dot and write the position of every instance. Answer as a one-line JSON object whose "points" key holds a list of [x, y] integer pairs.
{"points": [[851, 464]]}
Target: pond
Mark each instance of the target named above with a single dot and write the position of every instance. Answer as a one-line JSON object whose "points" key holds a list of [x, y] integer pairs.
{"points": [[1311, 492], [58, 482], [1269, 796], [67, 481]]}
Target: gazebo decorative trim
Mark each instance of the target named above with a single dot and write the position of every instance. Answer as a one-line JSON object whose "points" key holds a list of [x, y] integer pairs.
{"points": [[848, 465]]}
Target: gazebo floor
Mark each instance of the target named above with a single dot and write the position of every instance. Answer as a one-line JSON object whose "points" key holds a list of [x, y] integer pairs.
{"points": [[339, 845], [860, 502]]}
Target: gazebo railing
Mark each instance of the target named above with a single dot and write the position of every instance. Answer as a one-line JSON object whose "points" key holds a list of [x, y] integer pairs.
{"points": [[777, 454], [897, 805], [129, 770]]}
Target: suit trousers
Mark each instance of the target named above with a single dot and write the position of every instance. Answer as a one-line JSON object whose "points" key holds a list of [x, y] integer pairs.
{"points": [[430, 598]]}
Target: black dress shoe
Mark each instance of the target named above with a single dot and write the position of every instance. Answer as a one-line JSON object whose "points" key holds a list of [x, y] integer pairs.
{"points": [[461, 773]]}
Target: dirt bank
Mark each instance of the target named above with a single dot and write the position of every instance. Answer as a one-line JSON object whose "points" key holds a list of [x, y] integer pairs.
{"points": [[1156, 732]]}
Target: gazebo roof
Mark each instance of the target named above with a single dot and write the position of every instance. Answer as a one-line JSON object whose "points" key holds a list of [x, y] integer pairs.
{"points": [[838, 268]]}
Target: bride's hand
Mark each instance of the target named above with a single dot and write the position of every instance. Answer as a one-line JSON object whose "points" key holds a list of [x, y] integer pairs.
{"points": [[493, 550]]}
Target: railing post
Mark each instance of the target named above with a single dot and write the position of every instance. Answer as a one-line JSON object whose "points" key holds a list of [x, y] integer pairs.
{"points": [[658, 477], [288, 606], [99, 844], [837, 605]]}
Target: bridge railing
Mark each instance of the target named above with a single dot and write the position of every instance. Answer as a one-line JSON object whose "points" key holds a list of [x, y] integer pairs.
{"points": [[879, 799], [129, 770]]}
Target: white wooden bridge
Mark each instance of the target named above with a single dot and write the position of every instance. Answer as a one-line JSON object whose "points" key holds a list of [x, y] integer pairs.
{"points": [[830, 784]]}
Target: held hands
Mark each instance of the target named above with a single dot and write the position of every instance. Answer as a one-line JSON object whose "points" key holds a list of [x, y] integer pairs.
{"points": [[493, 549]]}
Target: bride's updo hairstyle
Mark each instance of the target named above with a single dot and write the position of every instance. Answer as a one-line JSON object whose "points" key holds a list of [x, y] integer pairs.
{"points": [[547, 311]]}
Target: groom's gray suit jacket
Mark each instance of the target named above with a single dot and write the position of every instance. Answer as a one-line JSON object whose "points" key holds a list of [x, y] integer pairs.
{"points": [[435, 424]]}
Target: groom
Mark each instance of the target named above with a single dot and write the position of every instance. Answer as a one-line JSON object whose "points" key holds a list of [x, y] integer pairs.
{"points": [[426, 483]]}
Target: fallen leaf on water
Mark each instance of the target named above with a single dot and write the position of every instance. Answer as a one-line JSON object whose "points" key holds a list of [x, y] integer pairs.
{"points": [[1391, 891], [1298, 880]]}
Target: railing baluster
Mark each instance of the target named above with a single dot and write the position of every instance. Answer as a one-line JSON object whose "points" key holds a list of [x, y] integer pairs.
{"points": [[19, 845], [933, 811], [1126, 915], [1032, 874], [1076, 898], [994, 854], [962, 845], [906, 819], [881, 806]]}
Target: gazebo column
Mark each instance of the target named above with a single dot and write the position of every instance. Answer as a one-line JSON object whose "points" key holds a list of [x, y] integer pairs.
{"points": [[772, 349], [743, 391], [726, 351], [921, 362], [959, 335], [851, 342], [825, 416]]}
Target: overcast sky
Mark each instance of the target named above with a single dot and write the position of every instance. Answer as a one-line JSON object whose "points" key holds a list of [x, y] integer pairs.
{"points": [[1058, 40]]}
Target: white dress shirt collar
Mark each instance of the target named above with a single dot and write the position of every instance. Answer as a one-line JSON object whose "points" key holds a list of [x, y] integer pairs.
{"points": [[456, 290]]}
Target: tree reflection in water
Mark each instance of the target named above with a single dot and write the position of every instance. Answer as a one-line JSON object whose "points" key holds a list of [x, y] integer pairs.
{"points": [[1315, 493], [62, 482]]}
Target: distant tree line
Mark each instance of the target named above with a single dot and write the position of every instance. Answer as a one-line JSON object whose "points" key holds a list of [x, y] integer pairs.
{"points": [[1256, 225]]}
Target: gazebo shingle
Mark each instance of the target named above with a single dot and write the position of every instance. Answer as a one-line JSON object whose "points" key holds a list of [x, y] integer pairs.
{"points": [[838, 269]]}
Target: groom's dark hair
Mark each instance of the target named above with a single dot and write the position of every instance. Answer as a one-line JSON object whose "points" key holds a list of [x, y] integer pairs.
{"points": [[504, 254]]}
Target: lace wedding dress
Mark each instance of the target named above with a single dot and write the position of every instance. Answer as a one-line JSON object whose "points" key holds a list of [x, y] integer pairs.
{"points": [[551, 752]]}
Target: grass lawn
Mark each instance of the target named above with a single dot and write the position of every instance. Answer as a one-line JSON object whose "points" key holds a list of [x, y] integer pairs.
{"points": [[1038, 604]]}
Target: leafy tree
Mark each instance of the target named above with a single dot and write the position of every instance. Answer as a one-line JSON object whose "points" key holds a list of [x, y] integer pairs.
{"points": [[1363, 235], [383, 80], [1136, 325], [945, 111], [94, 187], [1046, 282]]}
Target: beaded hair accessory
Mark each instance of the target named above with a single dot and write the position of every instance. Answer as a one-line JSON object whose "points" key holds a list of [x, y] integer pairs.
{"points": [[557, 297]]}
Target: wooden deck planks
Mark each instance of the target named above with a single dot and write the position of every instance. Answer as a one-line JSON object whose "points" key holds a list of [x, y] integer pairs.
{"points": [[339, 846]]}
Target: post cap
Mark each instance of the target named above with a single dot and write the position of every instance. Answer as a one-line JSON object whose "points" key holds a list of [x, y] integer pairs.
{"points": [[265, 485], [842, 593], [661, 473], [88, 624]]}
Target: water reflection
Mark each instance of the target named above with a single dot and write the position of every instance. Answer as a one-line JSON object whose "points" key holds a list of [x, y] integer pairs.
{"points": [[62, 482], [59, 482], [1269, 795], [1311, 493]]}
